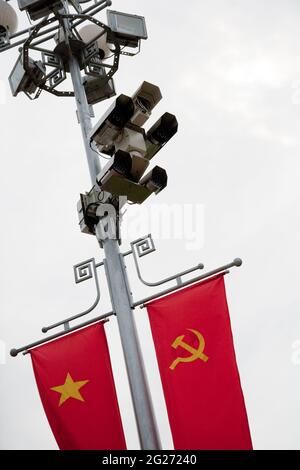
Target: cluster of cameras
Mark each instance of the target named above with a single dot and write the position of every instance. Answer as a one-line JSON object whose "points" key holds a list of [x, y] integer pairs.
{"points": [[120, 135]]}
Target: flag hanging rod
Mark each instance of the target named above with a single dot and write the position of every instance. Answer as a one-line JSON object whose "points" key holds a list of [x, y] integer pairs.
{"points": [[142, 303], [25, 349], [66, 321], [222, 270]]}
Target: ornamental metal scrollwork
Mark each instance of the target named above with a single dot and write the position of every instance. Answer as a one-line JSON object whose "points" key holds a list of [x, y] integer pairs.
{"points": [[82, 272], [144, 246]]}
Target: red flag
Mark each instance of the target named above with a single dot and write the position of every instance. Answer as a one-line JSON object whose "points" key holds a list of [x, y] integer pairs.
{"points": [[194, 347], [76, 386]]}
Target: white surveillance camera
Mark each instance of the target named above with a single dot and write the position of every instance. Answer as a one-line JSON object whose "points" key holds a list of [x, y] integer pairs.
{"points": [[8, 18], [145, 99], [20, 80], [111, 124], [160, 133], [155, 181], [115, 178], [132, 140], [86, 209], [119, 164]]}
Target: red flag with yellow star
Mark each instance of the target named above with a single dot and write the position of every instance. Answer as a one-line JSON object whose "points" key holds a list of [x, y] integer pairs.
{"points": [[76, 386], [195, 353]]}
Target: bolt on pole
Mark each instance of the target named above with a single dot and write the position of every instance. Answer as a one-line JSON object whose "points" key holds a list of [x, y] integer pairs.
{"points": [[117, 281]]}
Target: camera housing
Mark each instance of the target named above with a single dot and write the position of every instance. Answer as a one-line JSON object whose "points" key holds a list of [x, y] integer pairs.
{"points": [[114, 120], [156, 180], [160, 133], [146, 97]]}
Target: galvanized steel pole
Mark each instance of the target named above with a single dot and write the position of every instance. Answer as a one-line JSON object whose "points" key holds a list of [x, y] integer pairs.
{"points": [[118, 284]]}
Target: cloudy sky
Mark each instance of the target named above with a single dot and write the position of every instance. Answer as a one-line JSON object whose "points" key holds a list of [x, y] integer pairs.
{"points": [[230, 71]]}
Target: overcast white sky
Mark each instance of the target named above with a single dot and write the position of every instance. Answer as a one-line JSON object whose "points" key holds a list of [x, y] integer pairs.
{"points": [[230, 71]]}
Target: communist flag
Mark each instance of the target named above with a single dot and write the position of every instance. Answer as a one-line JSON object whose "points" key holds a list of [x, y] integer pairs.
{"points": [[194, 347], [76, 386]]}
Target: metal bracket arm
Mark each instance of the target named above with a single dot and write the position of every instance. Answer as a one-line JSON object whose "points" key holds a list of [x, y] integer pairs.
{"points": [[145, 245], [82, 272]]}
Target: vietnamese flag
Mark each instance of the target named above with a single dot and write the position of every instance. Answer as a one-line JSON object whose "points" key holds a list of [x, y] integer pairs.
{"points": [[194, 347], [76, 386]]}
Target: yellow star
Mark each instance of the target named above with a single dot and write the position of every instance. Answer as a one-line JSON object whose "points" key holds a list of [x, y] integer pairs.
{"points": [[70, 389]]}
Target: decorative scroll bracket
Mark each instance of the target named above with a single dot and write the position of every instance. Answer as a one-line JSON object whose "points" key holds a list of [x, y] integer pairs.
{"points": [[82, 272], [144, 246], [88, 269]]}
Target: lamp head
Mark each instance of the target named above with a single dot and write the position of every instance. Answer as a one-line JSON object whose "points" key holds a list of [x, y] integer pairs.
{"points": [[8, 18], [91, 31]]}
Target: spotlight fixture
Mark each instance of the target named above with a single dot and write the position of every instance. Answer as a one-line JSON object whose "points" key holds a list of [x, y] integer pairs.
{"points": [[128, 29]]}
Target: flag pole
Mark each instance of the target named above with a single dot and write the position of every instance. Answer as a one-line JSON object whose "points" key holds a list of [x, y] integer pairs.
{"points": [[118, 284]]}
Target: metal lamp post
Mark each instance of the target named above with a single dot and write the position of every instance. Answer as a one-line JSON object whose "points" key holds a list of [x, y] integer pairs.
{"points": [[118, 284]]}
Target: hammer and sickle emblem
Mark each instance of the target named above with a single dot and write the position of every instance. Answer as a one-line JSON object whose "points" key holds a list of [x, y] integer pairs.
{"points": [[195, 353]]}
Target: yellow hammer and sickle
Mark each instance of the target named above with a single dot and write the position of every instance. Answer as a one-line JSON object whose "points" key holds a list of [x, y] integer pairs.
{"points": [[195, 353]]}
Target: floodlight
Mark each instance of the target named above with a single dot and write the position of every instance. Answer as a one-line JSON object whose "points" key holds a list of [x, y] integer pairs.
{"points": [[90, 32], [128, 29], [97, 89], [20, 80], [8, 18], [39, 8]]}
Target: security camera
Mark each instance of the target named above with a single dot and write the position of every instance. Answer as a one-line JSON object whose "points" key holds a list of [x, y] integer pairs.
{"points": [[145, 99], [132, 140], [110, 125], [20, 80], [8, 18], [39, 8], [160, 133], [156, 180], [86, 209], [119, 164], [116, 179]]}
